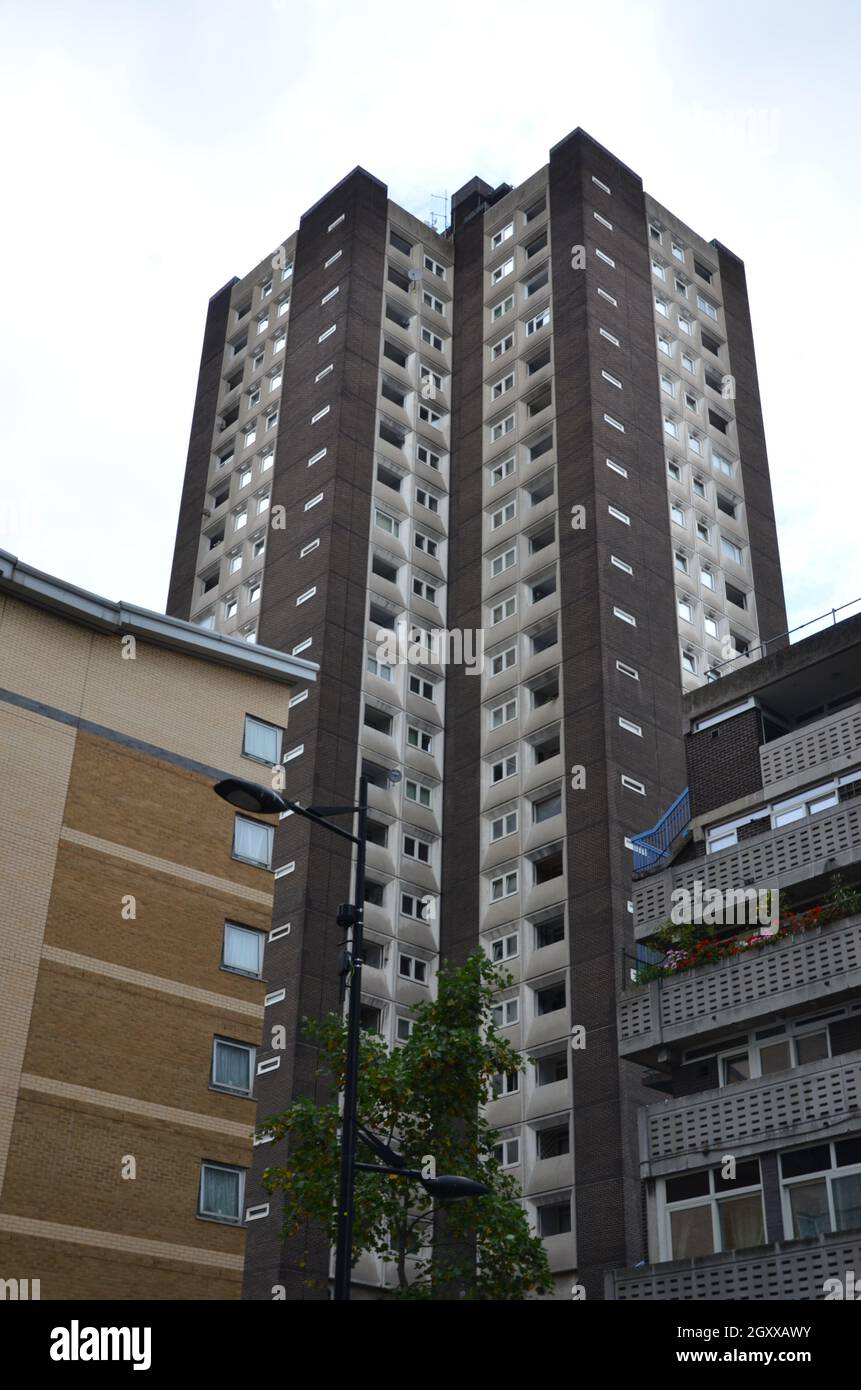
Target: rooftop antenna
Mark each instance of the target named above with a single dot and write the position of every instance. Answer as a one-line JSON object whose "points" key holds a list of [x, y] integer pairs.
{"points": [[439, 216]]}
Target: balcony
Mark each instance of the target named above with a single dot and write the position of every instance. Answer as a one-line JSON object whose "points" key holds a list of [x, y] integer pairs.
{"points": [[831, 744], [808, 1102], [775, 859], [785, 1272], [822, 964]]}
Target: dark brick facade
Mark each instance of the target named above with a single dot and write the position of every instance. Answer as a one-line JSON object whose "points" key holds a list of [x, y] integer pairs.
{"points": [[306, 962], [723, 761], [607, 1192]]}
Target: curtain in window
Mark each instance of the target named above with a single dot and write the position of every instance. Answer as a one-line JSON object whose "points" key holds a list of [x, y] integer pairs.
{"points": [[261, 741], [847, 1202], [809, 1203], [221, 1193], [252, 840], [741, 1222], [231, 1066], [242, 949]]}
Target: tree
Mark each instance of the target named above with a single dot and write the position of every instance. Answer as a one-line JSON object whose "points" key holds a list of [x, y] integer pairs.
{"points": [[426, 1097]]}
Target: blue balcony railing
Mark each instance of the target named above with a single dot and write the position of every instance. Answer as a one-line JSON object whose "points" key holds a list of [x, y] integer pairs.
{"points": [[652, 847]]}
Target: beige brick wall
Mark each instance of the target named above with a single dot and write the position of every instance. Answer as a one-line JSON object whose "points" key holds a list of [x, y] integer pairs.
{"points": [[173, 701], [106, 1024]]}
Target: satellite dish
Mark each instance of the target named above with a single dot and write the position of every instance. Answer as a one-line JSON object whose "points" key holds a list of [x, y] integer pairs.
{"points": [[414, 275]]}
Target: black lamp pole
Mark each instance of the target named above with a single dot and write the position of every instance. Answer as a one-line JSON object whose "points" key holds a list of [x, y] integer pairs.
{"points": [[344, 1241], [248, 796]]}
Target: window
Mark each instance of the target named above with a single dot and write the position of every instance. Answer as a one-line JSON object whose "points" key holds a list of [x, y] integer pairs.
{"points": [[427, 499], [421, 687], [686, 324], [609, 297], [662, 306], [630, 727], [722, 464], [616, 467], [632, 785], [503, 515], [411, 968], [502, 826], [222, 1191], [550, 999], [681, 286], [327, 333], [252, 841], [507, 1084], [539, 321], [711, 626], [500, 387], [611, 338], [709, 343], [261, 741], [599, 184], [619, 516], [379, 668], [232, 1066], [403, 1028], [670, 427], [503, 610], [688, 363], [629, 671], [678, 515], [415, 791], [503, 661], [822, 1187], [725, 504], [432, 302], [504, 768], [658, 270], [506, 1013], [613, 380], [386, 522], [621, 565], [267, 458], [665, 344], [283, 306], [699, 488], [504, 948], [424, 590], [502, 235], [419, 738], [546, 808], [731, 551], [602, 256], [501, 428], [503, 714], [503, 887], [504, 345], [616, 424], [500, 563], [414, 848], [655, 232], [502, 270], [553, 1142], [501, 471], [262, 502], [434, 267], [689, 663], [707, 306], [231, 607], [678, 249], [686, 610], [507, 1153], [675, 472], [242, 949], [425, 543], [432, 339], [704, 1213]]}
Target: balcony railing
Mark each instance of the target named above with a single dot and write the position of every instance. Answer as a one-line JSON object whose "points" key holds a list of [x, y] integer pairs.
{"points": [[764, 861], [818, 964], [788, 1271], [807, 1102], [651, 847], [836, 739]]}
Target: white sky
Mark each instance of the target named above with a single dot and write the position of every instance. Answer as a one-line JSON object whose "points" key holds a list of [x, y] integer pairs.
{"points": [[153, 150]]}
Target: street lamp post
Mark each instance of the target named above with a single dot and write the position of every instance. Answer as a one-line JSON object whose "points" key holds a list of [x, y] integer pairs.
{"points": [[249, 796]]}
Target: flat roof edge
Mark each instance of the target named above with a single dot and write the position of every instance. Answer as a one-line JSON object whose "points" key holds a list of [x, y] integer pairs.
{"points": [[104, 615]]}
